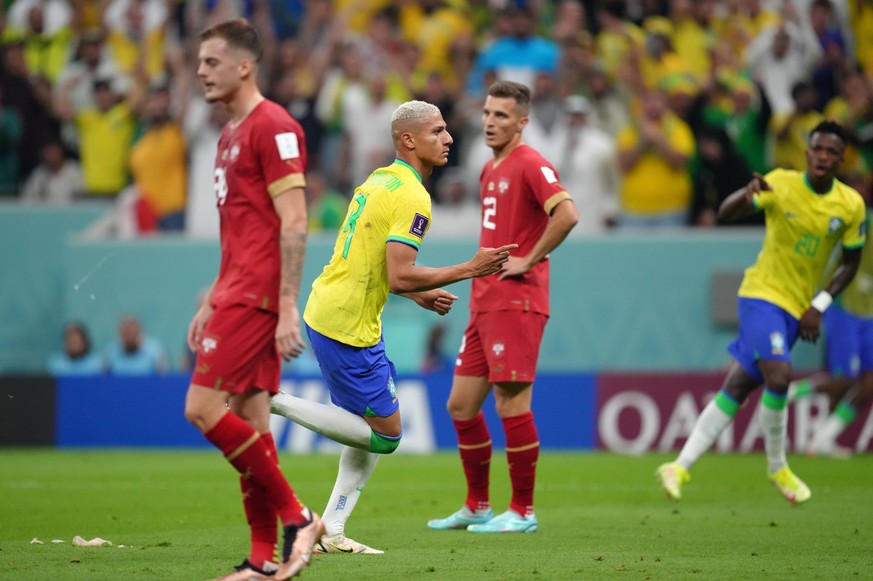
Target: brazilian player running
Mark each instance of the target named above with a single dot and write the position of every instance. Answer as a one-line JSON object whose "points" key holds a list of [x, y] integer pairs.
{"points": [[807, 215]]}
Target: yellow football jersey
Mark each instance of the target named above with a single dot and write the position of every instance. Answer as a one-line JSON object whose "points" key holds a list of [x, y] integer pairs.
{"points": [[347, 298], [858, 296], [803, 227]]}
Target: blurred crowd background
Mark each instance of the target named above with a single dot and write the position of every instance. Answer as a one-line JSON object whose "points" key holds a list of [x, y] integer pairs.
{"points": [[651, 110]]}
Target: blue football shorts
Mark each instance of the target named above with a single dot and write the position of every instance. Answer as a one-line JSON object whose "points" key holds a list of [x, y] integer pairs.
{"points": [[767, 332], [360, 379], [849, 343]]}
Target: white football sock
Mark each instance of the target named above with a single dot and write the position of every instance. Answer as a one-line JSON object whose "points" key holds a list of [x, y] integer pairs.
{"points": [[710, 423], [825, 437], [774, 425], [355, 468], [330, 421]]}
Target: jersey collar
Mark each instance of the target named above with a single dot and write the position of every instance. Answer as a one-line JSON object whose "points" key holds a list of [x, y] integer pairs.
{"points": [[399, 161], [812, 189]]}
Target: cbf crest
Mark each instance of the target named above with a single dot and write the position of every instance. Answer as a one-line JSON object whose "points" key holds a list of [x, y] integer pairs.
{"points": [[777, 343], [392, 389], [835, 225], [503, 186]]}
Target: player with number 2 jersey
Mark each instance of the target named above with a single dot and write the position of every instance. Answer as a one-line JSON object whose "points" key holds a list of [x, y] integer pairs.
{"points": [[518, 195], [523, 201]]}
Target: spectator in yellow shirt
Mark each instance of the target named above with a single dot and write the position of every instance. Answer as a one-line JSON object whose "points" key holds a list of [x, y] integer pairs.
{"points": [[105, 134], [158, 162], [618, 38], [792, 130], [135, 44], [46, 33], [653, 157], [693, 37]]}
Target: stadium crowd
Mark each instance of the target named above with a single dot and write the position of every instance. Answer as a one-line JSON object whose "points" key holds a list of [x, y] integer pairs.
{"points": [[652, 111]]}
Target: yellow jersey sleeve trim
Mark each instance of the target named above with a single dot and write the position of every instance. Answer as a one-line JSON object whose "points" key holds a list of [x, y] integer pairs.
{"points": [[555, 200], [290, 181], [404, 240], [854, 246]]}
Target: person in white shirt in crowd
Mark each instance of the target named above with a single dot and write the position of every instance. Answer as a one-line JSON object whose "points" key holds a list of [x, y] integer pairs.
{"points": [[366, 111], [456, 212], [57, 180], [546, 114], [586, 158], [781, 56], [202, 124]]}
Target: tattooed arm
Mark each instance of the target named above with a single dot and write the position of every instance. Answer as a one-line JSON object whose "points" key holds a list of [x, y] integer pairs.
{"points": [[291, 208]]}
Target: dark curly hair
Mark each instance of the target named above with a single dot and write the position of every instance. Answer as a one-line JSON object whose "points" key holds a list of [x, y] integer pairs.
{"points": [[833, 128]]}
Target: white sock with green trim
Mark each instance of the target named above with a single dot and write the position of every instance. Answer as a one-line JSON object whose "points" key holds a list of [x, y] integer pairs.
{"points": [[717, 414], [330, 421], [800, 389], [355, 468], [773, 417], [825, 438]]}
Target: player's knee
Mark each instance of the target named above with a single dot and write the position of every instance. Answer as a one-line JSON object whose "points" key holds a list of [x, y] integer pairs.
{"points": [[202, 416], [382, 444], [460, 410], [778, 382], [194, 415]]}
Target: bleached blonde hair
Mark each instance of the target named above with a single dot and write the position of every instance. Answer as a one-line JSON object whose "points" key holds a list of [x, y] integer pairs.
{"points": [[411, 113], [413, 110]]}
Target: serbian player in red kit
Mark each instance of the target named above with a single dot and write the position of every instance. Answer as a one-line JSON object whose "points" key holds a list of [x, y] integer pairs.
{"points": [[523, 202], [249, 319]]}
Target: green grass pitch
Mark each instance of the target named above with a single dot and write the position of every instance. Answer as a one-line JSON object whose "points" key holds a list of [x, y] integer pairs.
{"points": [[602, 516]]}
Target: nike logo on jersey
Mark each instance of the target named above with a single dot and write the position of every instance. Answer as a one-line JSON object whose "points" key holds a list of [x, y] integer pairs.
{"points": [[790, 215]]}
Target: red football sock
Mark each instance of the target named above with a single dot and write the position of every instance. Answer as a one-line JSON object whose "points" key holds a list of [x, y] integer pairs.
{"points": [[474, 444], [260, 513], [522, 452], [247, 452]]}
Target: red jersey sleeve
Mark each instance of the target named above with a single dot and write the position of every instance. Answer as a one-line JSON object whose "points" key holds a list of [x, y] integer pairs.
{"points": [[256, 161], [542, 180], [281, 147]]}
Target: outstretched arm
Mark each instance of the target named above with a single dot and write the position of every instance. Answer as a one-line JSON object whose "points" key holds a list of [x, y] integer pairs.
{"points": [[404, 276], [741, 203]]}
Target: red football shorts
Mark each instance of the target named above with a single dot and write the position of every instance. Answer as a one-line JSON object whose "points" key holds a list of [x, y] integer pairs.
{"points": [[502, 346], [237, 351]]}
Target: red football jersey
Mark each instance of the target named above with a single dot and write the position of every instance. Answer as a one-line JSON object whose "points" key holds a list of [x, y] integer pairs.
{"points": [[258, 158], [518, 195]]}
